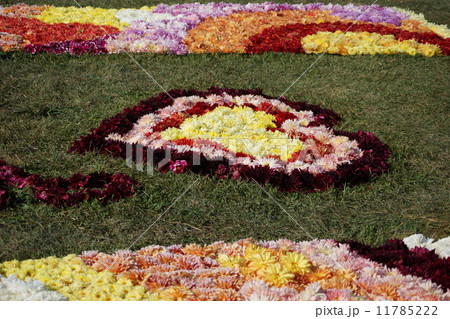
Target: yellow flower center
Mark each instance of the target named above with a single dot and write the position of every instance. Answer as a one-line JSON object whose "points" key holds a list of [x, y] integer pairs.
{"points": [[239, 129]]}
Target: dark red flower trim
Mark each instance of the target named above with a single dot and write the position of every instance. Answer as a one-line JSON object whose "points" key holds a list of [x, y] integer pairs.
{"points": [[371, 164], [75, 47], [288, 38], [70, 191], [419, 262]]}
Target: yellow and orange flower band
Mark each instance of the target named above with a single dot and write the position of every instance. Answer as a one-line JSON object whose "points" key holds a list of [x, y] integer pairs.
{"points": [[243, 270]]}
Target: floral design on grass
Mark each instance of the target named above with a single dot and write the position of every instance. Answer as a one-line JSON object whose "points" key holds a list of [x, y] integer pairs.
{"points": [[59, 191], [243, 270], [241, 134], [222, 27]]}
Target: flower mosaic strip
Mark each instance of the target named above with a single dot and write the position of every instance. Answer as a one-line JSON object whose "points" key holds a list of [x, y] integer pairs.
{"points": [[318, 38], [222, 27], [243, 270], [60, 191], [241, 134]]}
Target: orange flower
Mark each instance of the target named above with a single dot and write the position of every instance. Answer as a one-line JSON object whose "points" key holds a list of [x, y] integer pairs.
{"points": [[231, 33], [176, 293], [318, 273]]}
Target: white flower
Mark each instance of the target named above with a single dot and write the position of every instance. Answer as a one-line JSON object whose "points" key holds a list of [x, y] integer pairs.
{"points": [[291, 125], [271, 162], [132, 15], [147, 120], [417, 240], [440, 247], [114, 137], [14, 289], [313, 292]]}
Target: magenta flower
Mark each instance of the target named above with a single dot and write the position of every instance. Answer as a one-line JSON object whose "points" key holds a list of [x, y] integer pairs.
{"points": [[179, 166]]}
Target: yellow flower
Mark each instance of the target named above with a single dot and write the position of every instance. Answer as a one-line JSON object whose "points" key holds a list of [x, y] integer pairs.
{"points": [[278, 275], [135, 294], [411, 51], [121, 291], [97, 16], [296, 263], [261, 260], [240, 129], [364, 43], [97, 294], [230, 261], [72, 278]]}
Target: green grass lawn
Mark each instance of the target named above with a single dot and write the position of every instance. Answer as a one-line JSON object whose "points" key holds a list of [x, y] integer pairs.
{"points": [[48, 101]]}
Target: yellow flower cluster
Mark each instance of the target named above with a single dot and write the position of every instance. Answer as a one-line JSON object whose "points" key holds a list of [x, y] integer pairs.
{"points": [[276, 267], [71, 277], [352, 43], [97, 16], [240, 129]]}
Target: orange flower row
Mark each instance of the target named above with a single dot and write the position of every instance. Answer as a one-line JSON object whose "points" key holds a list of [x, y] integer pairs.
{"points": [[22, 10]]}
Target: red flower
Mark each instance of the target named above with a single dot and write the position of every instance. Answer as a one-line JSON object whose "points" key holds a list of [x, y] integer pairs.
{"points": [[38, 32], [70, 191], [4, 197], [283, 116]]}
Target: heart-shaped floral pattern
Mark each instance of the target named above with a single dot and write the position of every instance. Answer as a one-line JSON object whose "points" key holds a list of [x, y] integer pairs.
{"points": [[242, 134]]}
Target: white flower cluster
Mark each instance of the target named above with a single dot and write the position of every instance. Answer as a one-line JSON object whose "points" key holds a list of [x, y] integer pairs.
{"points": [[132, 15], [14, 289], [440, 247]]}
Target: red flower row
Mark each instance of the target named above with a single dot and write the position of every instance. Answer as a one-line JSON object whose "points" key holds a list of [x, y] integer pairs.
{"points": [[70, 191], [38, 32], [371, 164], [419, 262], [288, 38]]}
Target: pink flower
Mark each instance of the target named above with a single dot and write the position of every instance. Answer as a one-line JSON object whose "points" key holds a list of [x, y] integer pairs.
{"points": [[178, 166]]}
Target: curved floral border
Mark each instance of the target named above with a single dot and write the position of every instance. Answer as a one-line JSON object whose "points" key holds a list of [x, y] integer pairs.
{"points": [[417, 261], [70, 191], [371, 164]]}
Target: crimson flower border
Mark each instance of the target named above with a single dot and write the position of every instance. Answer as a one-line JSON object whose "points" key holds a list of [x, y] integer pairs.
{"points": [[59, 191], [418, 261], [372, 163]]}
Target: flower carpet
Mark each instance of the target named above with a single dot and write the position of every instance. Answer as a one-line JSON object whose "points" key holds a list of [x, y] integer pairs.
{"points": [[241, 134], [243, 270], [222, 27]]}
